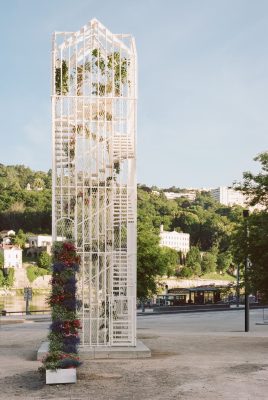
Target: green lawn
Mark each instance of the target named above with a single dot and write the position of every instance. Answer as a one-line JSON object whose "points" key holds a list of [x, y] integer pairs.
{"points": [[223, 277]]}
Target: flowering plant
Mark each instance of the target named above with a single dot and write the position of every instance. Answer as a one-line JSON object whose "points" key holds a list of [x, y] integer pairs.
{"points": [[64, 330]]}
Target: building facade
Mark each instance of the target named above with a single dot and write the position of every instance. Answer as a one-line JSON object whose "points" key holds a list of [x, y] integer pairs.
{"points": [[94, 94], [173, 195], [228, 196], [12, 256], [38, 244], [175, 240], [40, 240]]}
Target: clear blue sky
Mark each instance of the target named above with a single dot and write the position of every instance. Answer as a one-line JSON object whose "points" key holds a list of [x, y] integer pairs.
{"points": [[203, 83]]}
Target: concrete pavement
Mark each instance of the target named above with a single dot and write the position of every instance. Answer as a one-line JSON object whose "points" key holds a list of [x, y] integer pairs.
{"points": [[194, 356]]}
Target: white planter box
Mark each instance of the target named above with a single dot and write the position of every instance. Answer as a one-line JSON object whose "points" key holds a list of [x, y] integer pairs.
{"points": [[55, 377]]}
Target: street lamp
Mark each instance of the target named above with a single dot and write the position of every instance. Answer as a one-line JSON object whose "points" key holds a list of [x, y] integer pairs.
{"points": [[246, 215], [237, 285]]}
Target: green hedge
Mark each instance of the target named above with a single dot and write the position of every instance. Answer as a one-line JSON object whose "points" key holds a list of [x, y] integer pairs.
{"points": [[34, 272]]}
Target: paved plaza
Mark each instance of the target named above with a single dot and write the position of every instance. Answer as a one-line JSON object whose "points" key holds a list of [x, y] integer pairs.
{"points": [[194, 356]]}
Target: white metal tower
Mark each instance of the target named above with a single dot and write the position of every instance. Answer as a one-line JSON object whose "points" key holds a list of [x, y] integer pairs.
{"points": [[94, 174]]}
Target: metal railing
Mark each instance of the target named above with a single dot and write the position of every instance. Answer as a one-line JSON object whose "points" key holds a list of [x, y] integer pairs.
{"points": [[4, 313]]}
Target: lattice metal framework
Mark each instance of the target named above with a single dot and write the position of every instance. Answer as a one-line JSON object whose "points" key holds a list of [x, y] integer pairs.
{"points": [[94, 174]]}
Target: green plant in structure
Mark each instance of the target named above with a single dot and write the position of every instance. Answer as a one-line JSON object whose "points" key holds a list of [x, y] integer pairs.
{"points": [[80, 75], [105, 315], [101, 115], [119, 65], [98, 61], [116, 68], [62, 78], [117, 167], [78, 131]]}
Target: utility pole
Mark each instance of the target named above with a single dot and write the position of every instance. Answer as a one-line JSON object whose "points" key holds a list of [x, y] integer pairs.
{"points": [[246, 215]]}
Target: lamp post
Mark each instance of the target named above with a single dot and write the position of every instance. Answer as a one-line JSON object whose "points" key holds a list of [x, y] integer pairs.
{"points": [[237, 286], [246, 215], [27, 297]]}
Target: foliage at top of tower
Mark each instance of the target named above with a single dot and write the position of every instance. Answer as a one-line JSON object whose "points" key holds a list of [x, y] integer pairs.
{"points": [[109, 73]]}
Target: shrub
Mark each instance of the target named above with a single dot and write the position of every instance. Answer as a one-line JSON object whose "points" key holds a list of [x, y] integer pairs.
{"points": [[44, 260], [2, 260], [2, 278], [9, 280], [34, 272], [7, 277], [186, 272]]}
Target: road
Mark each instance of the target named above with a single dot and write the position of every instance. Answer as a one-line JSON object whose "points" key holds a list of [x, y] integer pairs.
{"points": [[205, 322]]}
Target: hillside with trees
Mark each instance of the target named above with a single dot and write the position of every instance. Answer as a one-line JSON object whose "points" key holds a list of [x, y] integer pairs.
{"points": [[211, 227], [217, 232], [25, 199], [221, 238]]}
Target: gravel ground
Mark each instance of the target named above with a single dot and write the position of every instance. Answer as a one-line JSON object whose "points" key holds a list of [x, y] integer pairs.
{"points": [[194, 356]]}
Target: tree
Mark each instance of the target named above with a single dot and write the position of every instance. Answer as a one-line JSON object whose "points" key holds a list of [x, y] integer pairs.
{"points": [[171, 258], [192, 262], [44, 260], [196, 269], [20, 239], [256, 186], [153, 261], [38, 183], [255, 248], [193, 256], [17, 206], [254, 244], [258, 253], [208, 263], [224, 261], [188, 222]]}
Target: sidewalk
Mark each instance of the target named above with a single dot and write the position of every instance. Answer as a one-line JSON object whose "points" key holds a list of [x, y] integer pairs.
{"points": [[16, 319]]}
